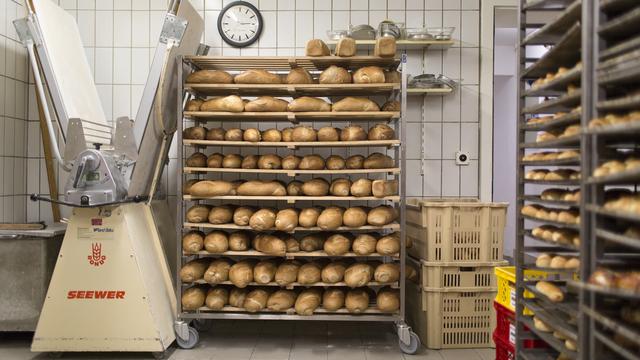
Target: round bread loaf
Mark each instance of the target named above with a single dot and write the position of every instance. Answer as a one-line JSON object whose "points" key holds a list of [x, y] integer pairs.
{"points": [[270, 161], [306, 103], [354, 104], [193, 241], [354, 217], [270, 244], [198, 213], [355, 162], [330, 218], [304, 134], [378, 161], [315, 187], [272, 135], [242, 214], [217, 298], [369, 75], [196, 160], [389, 244], [216, 242], [216, 134], [237, 296], [256, 300], [328, 133], [312, 242], [335, 162], [357, 300], [222, 214], [231, 103], [193, 270], [233, 161], [364, 244], [241, 273], [317, 47], [382, 215], [309, 217], [388, 300], [251, 135], [194, 133], [309, 273], [264, 272], [291, 162], [250, 162], [218, 271], [263, 219], [233, 135], [353, 133], [287, 272], [387, 273], [215, 160], [381, 132], [308, 301], [311, 162], [299, 75], [294, 188], [333, 272], [257, 76], [281, 300], [392, 105], [333, 299], [287, 134], [361, 187], [335, 75], [239, 241], [358, 274], [286, 220], [193, 298], [337, 244], [266, 104], [340, 187]]}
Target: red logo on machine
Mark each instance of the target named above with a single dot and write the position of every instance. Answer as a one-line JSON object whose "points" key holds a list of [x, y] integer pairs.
{"points": [[96, 258], [96, 222]]}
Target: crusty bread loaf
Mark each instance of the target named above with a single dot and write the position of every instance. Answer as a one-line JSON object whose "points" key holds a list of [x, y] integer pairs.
{"points": [[335, 75], [550, 290], [198, 213], [317, 47], [392, 105], [378, 161], [299, 75], [193, 105], [392, 76], [355, 104], [196, 160], [381, 132], [266, 103], [261, 188], [353, 133], [194, 133], [216, 134], [257, 76], [346, 47], [231, 103], [385, 47], [328, 133], [306, 103], [368, 75], [207, 188], [210, 77], [193, 241], [382, 188], [361, 187]]}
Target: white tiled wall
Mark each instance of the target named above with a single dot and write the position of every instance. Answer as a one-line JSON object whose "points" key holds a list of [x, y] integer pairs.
{"points": [[119, 34]]}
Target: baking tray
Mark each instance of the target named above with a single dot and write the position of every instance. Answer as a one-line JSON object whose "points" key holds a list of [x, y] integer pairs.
{"points": [[536, 199], [629, 216], [626, 177], [563, 103], [561, 162], [556, 85], [613, 324], [618, 238], [538, 354], [628, 295], [567, 247], [565, 53], [552, 182], [569, 306], [555, 343], [567, 142], [622, 26], [612, 345], [562, 121], [552, 32], [629, 128], [620, 48], [628, 102], [553, 316]]}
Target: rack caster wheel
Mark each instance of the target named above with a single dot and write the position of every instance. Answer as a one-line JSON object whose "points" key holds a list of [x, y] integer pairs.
{"points": [[202, 324], [413, 346], [55, 355], [190, 342]]}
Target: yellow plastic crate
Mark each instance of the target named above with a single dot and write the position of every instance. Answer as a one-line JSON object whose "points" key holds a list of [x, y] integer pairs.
{"points": [[506, 279]]}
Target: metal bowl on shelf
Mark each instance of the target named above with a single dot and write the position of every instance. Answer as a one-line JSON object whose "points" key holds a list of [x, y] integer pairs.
{"points": [[390, 28], [441, 33], [337, 34], [418, 34], [362, 32]]}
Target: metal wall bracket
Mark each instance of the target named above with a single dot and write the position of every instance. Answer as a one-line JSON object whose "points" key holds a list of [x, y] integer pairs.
{"points": [[76, 141], [124, 142], [173, 29]]}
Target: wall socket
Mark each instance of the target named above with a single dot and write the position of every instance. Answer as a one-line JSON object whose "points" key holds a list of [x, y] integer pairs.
{"points": [[462, 158]]}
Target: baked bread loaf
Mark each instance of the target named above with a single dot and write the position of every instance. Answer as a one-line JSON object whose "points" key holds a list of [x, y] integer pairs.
{"points": [[361, 187], [385, 47], [193, 298], [384, 188], [340, 187], [281, 300], [209, 77], [364, 244], [355, 162], [196, 160], [193, 241], [335, 162], [269, 161], [231, 103], [354, 217], [333, 299], [299, 75], [551, 291], [317, 47], [261, 188], [392, 105], [309, 218], [381, 132], [330, 218], [335, 75], [392, 76], [286, 220], [194, 270], [382, 215], [216, 242], [215, 160], [306, 103], [388, 300], [263, 219], [355, 104], [328, 133], [233, 161], [218, 271], [193, 105], [357, 300], [315, 187], [198, 213], [358, 274], [304, 134], [269, 244], [311, 162], [257, 76], [378, 161], [369, 75], [242, 214], [194, 133], [308, 301], [290, 162], [221, 214], [216, 134], [239, 240], [250, 162], [233, 134], [337, 244], [346, 47], [208, 188], [266, 104], [287, 272]]}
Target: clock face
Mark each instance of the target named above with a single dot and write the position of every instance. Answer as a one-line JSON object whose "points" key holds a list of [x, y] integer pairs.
{"points": [[240, 24]]}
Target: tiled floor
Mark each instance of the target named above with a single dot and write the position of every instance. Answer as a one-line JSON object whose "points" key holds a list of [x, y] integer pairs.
{"points": [[276, 340]]}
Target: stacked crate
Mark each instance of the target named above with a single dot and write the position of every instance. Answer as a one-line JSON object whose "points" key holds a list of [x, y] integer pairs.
{"points": [[455, 245]]}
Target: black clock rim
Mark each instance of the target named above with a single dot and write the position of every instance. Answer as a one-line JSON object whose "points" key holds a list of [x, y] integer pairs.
{"points": [[235, 43]]}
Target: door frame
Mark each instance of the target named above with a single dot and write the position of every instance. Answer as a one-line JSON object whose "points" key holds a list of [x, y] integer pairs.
{"points": [[487, 25]]}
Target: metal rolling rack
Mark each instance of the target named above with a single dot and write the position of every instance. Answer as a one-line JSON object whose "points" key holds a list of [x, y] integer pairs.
{"points": [[613, 43], [409, 342], [564, 36]]}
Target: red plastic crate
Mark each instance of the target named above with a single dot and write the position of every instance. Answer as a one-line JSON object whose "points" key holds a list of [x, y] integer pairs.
{"points": [[506, 331], [504, 350]]}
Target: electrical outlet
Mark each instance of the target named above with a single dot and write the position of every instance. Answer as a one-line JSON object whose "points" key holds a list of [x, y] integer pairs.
{"points": [[462, 158]]}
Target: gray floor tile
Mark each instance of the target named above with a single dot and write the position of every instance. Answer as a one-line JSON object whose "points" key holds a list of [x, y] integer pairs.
{"points": [[486, 354], [459, 354], [383, 352], [426, 354]]}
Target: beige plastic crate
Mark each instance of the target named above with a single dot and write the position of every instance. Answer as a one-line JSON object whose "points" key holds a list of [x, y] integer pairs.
{"points": [[451, 319], [454, 276], [464, 230]]}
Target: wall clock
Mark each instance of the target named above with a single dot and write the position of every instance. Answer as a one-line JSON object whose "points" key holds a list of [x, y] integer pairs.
{"points": [[240, 24]]}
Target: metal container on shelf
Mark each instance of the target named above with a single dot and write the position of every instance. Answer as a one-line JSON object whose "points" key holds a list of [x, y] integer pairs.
{"points": [[27, 259]]}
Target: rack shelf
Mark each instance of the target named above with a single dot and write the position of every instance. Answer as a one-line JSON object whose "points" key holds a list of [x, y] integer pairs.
{"points": [[288, 255], [429, 92], [566, 142], [568, 247], [549, 339], [618, 130], [613, 324], [604, 291], [394, 226], [623, 215], [553, 31], [538, 200], [292, 116], [618, 238], [626, 177], [292, 89], [561, 121], [557, 85], [563, 54], [622, 26], [619, 350], [294, 145], [403, 44], [286, 63], [293, 285], [554, 5], [561, 162], [564, 103], [390, 171], [293, 199], [629, 102], [551, 222], [552, 182]]}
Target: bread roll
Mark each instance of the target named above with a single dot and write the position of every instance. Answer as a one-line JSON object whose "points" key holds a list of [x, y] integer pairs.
{"points": [[315, 187], [385, 47], [311, 162], [387, 273], [355, 104], [222, 214], [388, 300], [193, 298], [196, 160], [333, 299], [194, 133], [346, 47], [216, 242], [209, 77], [330, 218], [249, 162], [312, 242], [233, 135], [328, 133], [378, 161], [340, 187], [543, 260], [369, 75], [337, 244], [218, 271], [242, 214], [193, 241], [358, 274], [266, 104], [294, 188], [237, 296], [241, 273], [306, 103], [193, 270], [264, 272], [392, 76], [384, 188], [304, 134], [572, 263], [353, 133], [286, 133], [286, 220], [382, 215], [217, 298], [333, 272], [281, 300], [215, 160], [257, 76], [290, 162], [186, 187], [381, 132], [193, 105], [357, 300], [272, 135], [540, 325], [309, 217], [208, 188], [231, 103], [335, 75], [263, 219], [551, 291], [287, 272], [309, 273], [392, 105], [364, 244], [299, 75], [389, 244], [269, 244], [317, 47], [308, 301], [355, 162], [354, 217], [269, 161], [232, 161], [558, 262], [256, 300], [292, 244], [216, 134], [335, 162], [361, 187], [261, 188], [252, 135], [198, 213]]}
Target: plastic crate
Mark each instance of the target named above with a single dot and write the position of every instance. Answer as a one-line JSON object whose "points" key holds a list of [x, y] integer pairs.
{"points": [[506, 279], [506, 329], [464, 230], [451, 319], [448, 275], [504, 350]]}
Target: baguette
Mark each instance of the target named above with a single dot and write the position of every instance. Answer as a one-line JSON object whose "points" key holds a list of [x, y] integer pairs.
{"points": [[355, 104], [257, 76], [210, 77], [231, 103], [551, 291]]}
